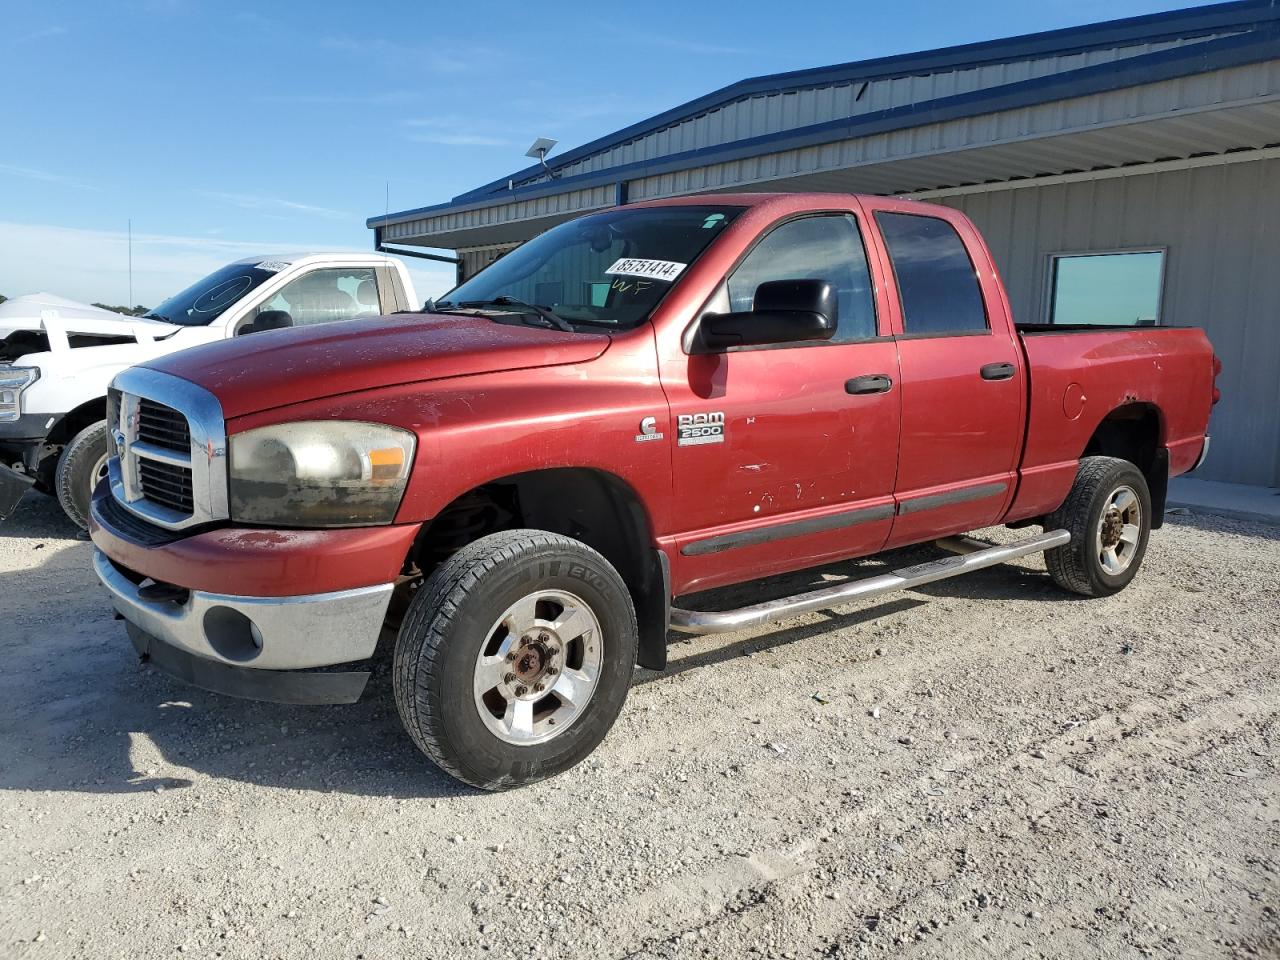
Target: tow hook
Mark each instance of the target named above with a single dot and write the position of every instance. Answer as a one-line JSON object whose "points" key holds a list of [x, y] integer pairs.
{"points": [[163, 593]]}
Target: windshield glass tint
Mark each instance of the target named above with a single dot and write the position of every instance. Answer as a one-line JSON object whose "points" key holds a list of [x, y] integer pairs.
{"points": [[609, 268], [205, 300]]}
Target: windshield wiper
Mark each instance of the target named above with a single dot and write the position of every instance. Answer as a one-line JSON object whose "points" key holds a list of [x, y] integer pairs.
{"points": [[559, 322], [156, 316]]}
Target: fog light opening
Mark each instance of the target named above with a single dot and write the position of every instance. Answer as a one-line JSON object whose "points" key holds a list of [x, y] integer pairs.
{"points": [[232, 635]]}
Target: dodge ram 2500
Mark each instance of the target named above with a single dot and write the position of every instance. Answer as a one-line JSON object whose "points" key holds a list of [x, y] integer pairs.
{"points": [[639, 404], [57, 356]]}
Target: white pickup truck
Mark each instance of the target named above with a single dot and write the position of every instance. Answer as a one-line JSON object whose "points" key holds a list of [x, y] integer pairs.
{"points": [[57, 356]]}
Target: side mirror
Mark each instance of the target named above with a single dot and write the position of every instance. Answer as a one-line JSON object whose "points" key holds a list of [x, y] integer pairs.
{"points": [[268, 320], [784, 311]]}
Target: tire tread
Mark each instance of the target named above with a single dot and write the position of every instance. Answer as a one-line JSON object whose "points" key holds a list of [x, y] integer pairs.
{"points": [[64, 481], [1067, 564], [428, 623]]}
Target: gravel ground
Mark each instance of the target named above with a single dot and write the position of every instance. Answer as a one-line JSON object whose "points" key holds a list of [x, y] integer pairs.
{"points": [[981, 768]]}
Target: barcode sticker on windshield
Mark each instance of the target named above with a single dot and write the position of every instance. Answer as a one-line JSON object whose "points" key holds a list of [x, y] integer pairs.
{"points": [[273, 266], [654, 269]]}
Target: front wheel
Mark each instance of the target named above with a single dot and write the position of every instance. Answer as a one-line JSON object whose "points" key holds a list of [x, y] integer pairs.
{"points": [[1108, 512], [515, 658], [80, 468]]}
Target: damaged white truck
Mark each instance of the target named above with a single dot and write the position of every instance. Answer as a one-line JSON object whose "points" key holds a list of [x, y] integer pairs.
{"points": [[58, 356]]}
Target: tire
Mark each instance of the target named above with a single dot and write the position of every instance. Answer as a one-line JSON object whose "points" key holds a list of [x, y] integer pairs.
{"points": [[1108, 538], [509, 597], [82, 464]]}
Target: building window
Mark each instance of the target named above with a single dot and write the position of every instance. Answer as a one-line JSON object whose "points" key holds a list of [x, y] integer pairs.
{"points": [[936, 280], [1120, 288]]}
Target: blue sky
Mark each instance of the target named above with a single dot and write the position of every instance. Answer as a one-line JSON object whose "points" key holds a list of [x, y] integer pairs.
{"points": [[225, 129]]}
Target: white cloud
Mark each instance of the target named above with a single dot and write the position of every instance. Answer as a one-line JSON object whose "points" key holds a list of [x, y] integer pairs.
{"points": [[44, 176], [42, 34], [459, 139], [93, 265], [428, 58], [346, 99], [247, 201], [640, 38]]}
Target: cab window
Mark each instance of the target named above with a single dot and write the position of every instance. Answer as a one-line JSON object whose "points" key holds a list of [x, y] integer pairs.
{"points": [[813, 248], [324, 296], [936, 279]]}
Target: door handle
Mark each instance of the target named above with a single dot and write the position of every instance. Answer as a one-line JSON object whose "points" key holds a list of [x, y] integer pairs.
{"points": [[872, 383], [998, 371]]}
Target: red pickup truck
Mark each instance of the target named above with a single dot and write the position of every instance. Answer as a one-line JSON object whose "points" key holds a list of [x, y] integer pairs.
{"points": [[639, 404]]}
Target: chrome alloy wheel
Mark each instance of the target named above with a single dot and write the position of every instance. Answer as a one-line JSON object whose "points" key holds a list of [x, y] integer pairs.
{"points": [[1119, 530], [538, 667]]}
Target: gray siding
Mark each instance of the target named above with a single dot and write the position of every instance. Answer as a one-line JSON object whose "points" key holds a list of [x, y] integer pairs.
{"points": [[754, 116], [1221, 226], [1141, 123], [475, 259]]}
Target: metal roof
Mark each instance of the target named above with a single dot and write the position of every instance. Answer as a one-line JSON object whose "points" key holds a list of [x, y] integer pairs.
{"points": [[1158, 47]]}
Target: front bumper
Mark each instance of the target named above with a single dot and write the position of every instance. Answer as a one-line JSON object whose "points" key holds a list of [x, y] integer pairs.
{"points": [[12, 486], [28, 428], [251, 646]]}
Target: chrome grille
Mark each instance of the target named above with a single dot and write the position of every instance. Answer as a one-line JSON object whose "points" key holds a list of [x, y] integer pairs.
{"points": [[163, 426], [166, 484], [169, 441]]}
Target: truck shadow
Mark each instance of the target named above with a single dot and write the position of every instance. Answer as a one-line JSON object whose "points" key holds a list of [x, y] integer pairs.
{"points": [[83, 715], [1003, 582], [39, 516]]}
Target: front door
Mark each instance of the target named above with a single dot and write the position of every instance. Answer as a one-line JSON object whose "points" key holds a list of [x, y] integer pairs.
{"points": [[785, 455]]}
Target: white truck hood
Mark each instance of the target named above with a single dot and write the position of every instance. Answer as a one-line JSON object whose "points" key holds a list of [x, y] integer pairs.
{"points": [[60, 317]]}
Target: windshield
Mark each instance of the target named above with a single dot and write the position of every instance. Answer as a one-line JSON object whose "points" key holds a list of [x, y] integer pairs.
{"points": [[207, 299], [607, 269]]}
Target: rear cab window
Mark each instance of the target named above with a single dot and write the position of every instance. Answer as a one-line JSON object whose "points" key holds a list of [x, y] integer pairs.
{"points": [[937, 282]]}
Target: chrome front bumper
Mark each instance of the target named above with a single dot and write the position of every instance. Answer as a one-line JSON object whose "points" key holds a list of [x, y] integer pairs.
{"points": [[257, 633]]}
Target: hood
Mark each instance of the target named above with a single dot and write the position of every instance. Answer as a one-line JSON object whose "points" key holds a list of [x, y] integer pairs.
{"points": [[55, 319], [279, 367]]}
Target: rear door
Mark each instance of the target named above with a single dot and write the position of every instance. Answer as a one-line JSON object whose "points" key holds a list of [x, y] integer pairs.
{"points": [[784, 457], [963, 388]]}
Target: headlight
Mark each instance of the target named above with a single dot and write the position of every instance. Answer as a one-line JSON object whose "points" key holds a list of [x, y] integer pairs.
{"points": [[13, 380], [321, 473]]}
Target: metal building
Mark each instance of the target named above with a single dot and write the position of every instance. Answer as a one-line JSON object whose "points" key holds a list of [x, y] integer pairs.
{"points": [[1073, 150]]}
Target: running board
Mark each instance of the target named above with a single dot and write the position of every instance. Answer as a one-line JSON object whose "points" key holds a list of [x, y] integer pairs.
{"points": [[697, 621]]}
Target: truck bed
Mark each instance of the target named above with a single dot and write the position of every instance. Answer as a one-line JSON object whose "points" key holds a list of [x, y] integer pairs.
{"points": [[1080, 374]]}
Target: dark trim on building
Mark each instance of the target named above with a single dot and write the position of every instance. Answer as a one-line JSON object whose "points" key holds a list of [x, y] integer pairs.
{"points": [[1236, 50], [1182, 24]]}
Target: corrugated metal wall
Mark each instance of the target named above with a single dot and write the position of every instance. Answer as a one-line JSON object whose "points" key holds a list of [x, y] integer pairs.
{"points": [[1108, 124], [475, 259], [753, 116], [1221, 226]]}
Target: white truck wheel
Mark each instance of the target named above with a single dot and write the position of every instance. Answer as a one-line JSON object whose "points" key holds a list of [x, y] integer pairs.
{"points": [[82, 465]]}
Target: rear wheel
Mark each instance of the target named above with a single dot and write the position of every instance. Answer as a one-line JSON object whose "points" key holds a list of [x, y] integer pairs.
{"points": [[1108, 513], [515, 658], [80, 468]]}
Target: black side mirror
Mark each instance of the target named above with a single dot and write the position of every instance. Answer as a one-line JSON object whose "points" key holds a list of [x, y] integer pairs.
{"points": [[268, 320], [784, 311]]}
